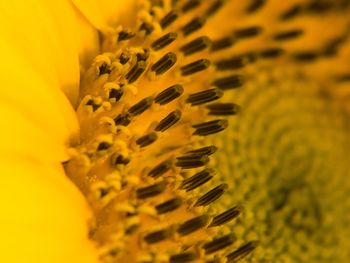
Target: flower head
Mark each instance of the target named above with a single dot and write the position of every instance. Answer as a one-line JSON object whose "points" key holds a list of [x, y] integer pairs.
{"points": [[210, 131]]}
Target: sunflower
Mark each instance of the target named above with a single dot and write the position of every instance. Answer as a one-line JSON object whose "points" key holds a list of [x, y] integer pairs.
{"points": [[175, 131]]}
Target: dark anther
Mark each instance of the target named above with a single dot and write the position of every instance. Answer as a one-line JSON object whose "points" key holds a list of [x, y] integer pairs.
{"points": [[291, 13], [103, 192], [183, 257], [247, 32], [222, 43], [230, 82], [115, 94], [343, 77], [157, 236], [132, 229], [147, 139], [151, 191], [169, 94], [164, 41], [189, 5], [210, 127], [250, 56], [168, 121], [214, 7], [147, 28], [271, 53], [318, 6], [242, 252], [195, 45], [143, 56], [207, 150], [195, 67], [218, 244], [168, 19], [193, 25], [104, 69], [306, 56], [123, 119], [141, 106], [130, 214], [344, 4], [113, 252], [93, 105], [333, 45], [223, 109], [255, 6], [226, 216], [136, 71], [211, 196], [204, 96], [164, 63], [124, 58], [125, 35], [191, 161], [287, 35], [236, 62], [192, 225], [118, 159], [168, 206], [160, 169], [197, 180], [103, 146]]}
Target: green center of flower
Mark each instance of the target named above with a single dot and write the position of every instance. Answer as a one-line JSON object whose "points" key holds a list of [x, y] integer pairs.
{"points": [[288, 166]]}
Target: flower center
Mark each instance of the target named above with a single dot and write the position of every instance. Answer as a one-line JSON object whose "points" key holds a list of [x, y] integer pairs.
{"points": [[286, 163], [153, 110]]}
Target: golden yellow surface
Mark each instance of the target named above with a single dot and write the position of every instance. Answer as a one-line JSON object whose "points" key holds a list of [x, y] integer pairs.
{"points": [[284, 158], [44, 218]]}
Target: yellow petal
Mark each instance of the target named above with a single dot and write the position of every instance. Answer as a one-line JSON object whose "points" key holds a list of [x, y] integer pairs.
{"points": [[40, 101], [107, 12], [88, 40], [43, 32], [20, 136], [43, 217]]}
